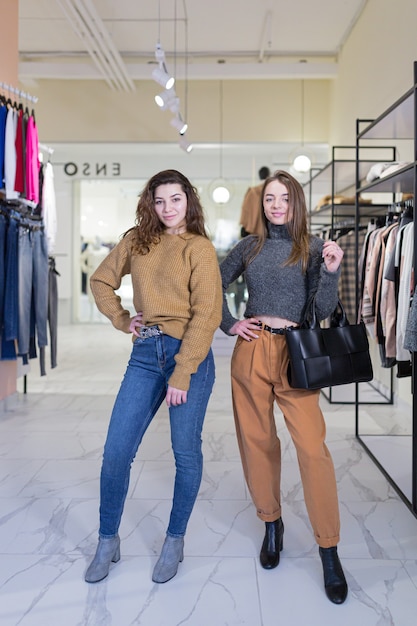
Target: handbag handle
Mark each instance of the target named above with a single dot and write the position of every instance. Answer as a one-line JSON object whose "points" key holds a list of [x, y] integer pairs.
{"points": [[310, 318]]}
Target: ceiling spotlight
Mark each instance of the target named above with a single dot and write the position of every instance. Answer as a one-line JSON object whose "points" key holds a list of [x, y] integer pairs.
{"points": [[168, 100], [178, 123], [161, 76], [185, 145]]}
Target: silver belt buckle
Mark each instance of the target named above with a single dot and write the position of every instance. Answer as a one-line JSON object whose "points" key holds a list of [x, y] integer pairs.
{"points": [[149, 331]]}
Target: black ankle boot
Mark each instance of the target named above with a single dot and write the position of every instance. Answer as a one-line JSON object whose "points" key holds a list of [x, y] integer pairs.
{"points": [[272, 544], [335, 583]]}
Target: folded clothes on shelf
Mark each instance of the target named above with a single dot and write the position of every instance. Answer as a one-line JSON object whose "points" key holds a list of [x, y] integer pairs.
{"points": [[380, 170], [347, 200]]}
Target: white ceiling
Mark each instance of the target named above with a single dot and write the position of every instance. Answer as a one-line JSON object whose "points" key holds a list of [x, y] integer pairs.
{"points": [[114, 40]]}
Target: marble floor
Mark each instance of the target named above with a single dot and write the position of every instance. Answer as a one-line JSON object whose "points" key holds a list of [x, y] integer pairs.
{"points": [[51, 441]]}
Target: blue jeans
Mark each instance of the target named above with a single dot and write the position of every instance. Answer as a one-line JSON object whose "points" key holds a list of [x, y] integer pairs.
{"points": [[33, 286], [11, 290], [3, 232], [141, 393]]}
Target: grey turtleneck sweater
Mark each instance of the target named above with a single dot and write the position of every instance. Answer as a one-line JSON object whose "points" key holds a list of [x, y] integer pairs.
{"points": [[275, 289]]}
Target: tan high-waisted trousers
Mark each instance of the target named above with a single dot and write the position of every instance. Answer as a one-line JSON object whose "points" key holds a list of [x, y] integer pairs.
{"points": [[259, 377]]}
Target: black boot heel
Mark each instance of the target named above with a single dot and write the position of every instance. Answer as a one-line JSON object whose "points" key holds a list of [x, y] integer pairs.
{"points": [[335, 583], [272, 544]]}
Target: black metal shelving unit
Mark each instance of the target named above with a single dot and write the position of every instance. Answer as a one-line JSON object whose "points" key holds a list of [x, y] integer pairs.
{"points": [[398, 124], [338, 178]]}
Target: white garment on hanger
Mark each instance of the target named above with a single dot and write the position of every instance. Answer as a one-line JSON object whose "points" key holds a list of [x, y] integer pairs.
{"points": [[49, 206], [10, 154]]}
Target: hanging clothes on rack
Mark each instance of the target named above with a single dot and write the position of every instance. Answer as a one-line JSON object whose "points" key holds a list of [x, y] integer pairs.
{"points": [[24, 286], [53, 310], [391, 226], [367, 312], [386, 295], [32, 161], [48, 206], [347, 241], [9, 327], [24, 272], [388, 298], [33, 289], [10, 153], [3, 116], [410, 336], [405, 263]]}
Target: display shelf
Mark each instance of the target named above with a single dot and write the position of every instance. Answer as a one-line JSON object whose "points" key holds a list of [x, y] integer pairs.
{"points": [[401, 181], [396, 123], [338, 178]]}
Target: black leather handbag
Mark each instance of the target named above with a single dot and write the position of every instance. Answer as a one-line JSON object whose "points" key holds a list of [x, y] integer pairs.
{"points": [[327, 356]]}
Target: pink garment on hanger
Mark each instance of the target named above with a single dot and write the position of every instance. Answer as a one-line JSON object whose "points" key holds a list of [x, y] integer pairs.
{"points": [[32, 161]]}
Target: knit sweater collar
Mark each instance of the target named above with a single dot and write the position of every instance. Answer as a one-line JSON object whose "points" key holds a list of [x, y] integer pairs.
{"points": [[278, 231], [185, 235]]}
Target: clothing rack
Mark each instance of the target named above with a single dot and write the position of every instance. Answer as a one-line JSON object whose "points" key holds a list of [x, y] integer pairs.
{"points": [[18, 92], [20, 205]]}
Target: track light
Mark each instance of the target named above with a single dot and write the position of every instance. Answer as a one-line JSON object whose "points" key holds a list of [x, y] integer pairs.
{"points": [[184, 144], [161, 76], [178, 123], [168, 100], [159, 54]]}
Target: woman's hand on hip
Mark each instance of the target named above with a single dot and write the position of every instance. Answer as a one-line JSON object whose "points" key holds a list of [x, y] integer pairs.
{"points": [[136, 322], [332, 255], [245, 328], [175, 396]]}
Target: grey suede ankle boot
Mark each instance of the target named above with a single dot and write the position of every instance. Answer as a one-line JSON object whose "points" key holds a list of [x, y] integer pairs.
{"points": [[108, 551], [171, 555]]}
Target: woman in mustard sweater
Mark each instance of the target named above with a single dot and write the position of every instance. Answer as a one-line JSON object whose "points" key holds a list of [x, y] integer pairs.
{"points": [[178, 298]]}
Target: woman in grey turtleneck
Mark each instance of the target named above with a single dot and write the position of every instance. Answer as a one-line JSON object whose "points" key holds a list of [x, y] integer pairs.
{"points": [[282, 267]]}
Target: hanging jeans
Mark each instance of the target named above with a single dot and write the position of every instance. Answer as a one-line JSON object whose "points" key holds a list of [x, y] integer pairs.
{"points": [[33, 286], [11, 290], [53, 310], [3, 233], [141, 393]]}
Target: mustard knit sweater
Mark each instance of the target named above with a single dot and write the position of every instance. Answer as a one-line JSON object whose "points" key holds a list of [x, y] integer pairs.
{"points": [[176, 285]]}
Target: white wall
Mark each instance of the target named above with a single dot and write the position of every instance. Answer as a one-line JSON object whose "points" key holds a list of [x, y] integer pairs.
{"points": [[375, 65], [253, 111]]}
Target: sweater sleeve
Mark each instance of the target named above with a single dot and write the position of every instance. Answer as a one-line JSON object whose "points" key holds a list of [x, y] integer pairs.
{"points": [[231, 268], [106, 280], [205, 303], [322, 282]]}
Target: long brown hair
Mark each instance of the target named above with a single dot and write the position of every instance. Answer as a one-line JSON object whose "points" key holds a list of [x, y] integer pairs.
{"points": [[297, 225], [148, 228]]}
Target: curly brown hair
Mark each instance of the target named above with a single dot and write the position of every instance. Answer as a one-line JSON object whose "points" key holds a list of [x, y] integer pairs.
{"points": [[148, 228], [297, 225]]}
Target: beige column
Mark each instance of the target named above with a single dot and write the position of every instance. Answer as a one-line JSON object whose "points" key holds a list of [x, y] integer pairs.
{"points": [[9, 62]]}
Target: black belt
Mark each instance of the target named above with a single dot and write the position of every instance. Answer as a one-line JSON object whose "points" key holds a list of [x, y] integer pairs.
{"points": [[274, 331]]}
